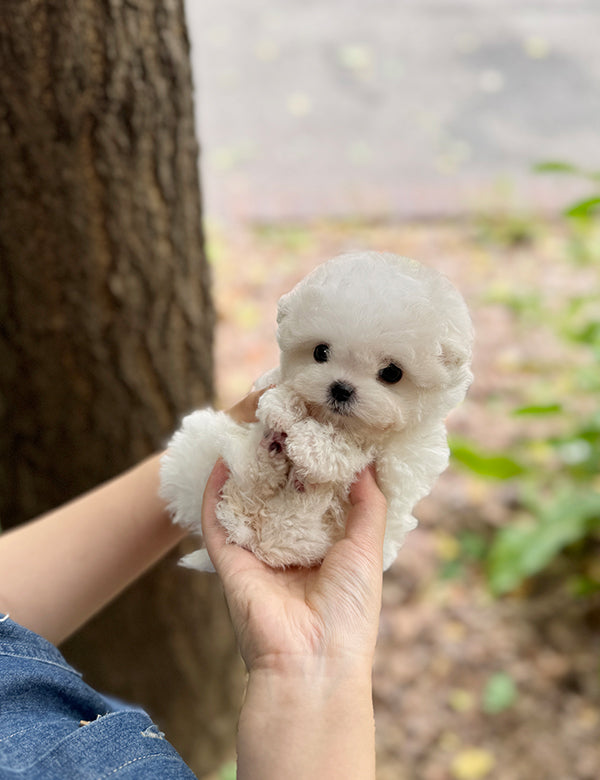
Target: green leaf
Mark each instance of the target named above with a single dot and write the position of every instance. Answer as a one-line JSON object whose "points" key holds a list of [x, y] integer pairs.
{"points": [[580, 450], [561, 167], [584, 209], [583, 586], [520, 551], [228, 772], [472, 545], [485, 464], [588, 334], [538, 409], [556, 166], [506, 567], [452, 570], [499, 694]]}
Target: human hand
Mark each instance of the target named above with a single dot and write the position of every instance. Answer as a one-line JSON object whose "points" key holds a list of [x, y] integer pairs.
{"points": [[244, 411], [287, 618]]}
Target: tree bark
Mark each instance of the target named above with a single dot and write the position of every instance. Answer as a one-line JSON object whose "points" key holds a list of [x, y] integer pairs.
{"points": [[106, 320]]}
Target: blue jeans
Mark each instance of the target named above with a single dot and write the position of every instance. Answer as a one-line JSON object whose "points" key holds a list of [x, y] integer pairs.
{"points": [[55, 727]]}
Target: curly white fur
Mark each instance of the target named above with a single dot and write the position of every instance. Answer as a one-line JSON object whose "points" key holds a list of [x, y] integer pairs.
{"points": [[375, 351]]}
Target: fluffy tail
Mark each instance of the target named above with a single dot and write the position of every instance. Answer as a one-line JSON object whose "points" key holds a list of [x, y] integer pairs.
{"points": [[188, 461]]}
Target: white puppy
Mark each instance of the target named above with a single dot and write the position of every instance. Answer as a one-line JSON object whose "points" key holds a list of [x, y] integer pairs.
{"points": [[375, 351]]}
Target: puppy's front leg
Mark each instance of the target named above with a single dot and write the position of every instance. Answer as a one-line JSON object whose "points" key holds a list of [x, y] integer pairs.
{"points": [[321, 454], [279, 409]]}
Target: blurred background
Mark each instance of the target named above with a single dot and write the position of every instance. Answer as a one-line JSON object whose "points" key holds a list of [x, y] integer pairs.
{"points": [[403, 109], [466, 134]]}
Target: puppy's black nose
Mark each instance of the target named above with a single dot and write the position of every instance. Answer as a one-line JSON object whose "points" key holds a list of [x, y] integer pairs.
{"points": [[341, 392]]}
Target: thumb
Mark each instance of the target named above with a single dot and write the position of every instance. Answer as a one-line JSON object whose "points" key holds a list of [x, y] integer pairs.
{"points": [[365, 524]]}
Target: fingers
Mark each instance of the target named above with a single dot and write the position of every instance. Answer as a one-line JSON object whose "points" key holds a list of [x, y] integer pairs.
{"points": [[350, 578], [245, 410], [212, 531], [365, 525]]}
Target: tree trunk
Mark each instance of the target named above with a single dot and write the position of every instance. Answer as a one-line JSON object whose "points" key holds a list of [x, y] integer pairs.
{"points": [[106, 320]]}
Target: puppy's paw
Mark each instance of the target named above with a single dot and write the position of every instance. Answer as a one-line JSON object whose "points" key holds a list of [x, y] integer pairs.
{"points": [[274, 443], [310, 448], [279, 409], [321, 454]]}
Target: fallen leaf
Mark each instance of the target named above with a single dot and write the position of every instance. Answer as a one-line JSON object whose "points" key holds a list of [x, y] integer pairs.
{"points": [[461, 700], [472, 764]]}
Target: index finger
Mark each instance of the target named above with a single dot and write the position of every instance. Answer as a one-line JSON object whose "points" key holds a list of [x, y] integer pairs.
{"points": [[213, 532], [245, 410]]}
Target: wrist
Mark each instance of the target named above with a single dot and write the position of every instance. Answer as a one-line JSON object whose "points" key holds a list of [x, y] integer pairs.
{"points": [[308, 718], [318, 669], [306, 684]]}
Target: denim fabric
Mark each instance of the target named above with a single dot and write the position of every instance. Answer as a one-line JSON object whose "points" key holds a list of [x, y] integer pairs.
{"points": [[55, 727]]}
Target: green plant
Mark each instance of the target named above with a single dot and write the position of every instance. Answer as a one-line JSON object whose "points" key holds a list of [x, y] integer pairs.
{"points": [[557, 479], [582, 216], [556, 474], [499, 694], [505, 228], [228, 771], [523, 549]]}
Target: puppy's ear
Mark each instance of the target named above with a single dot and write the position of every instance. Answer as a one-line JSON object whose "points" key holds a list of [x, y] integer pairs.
{"points": [[284, 320], [454, 355], [283, 307]]}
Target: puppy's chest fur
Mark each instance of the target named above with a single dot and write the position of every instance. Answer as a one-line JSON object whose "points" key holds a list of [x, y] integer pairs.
{"points": [[288, 500]]}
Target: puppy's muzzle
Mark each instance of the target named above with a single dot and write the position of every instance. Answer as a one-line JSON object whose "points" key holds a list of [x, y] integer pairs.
{"points": [[341, 396]]}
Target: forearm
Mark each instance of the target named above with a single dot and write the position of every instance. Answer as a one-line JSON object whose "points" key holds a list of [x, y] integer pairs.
{"points": [[314, 724], [57, 571]]}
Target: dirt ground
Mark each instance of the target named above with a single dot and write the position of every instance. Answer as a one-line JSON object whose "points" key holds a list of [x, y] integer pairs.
{"points": [[444, 640]]}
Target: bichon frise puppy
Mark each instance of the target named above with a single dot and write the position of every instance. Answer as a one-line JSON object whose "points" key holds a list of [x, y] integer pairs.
{"points": [[375, 351]]}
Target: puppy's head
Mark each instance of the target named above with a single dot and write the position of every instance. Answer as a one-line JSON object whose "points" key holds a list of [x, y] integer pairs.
{"points": [[375, 341]]}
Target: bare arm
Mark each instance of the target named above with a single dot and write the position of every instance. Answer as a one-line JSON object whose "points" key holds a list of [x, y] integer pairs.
{"points": [[308, 640], [60, 569]]}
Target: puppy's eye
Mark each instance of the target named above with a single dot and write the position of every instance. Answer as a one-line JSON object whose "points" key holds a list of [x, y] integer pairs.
{"points": [[390, 374], [321, 353]]}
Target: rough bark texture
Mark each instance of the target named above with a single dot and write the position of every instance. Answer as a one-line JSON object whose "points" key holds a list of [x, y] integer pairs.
{"points": [[106, 319]]}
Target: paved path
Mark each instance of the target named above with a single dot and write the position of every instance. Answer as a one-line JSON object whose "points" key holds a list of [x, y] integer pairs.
{"points": [[391, 107]]}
